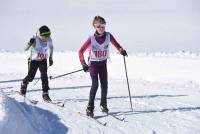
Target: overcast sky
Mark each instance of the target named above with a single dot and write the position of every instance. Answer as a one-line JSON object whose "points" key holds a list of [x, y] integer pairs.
{"points": [[138, 25]]}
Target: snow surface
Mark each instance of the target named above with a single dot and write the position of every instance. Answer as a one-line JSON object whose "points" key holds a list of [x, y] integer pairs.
{"points": [[165, 89]]}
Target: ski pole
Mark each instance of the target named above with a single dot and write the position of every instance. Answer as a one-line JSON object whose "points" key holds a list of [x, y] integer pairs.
{"points": [[51, 77], [128, 83]]}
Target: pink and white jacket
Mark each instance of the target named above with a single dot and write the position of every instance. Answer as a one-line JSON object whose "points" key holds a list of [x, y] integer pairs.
{"points": [[98, 47]]}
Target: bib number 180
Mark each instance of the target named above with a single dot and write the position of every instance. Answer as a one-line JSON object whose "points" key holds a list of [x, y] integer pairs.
{"points": [[100, 53]]}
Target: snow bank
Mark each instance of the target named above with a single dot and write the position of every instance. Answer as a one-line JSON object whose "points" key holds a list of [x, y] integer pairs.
{"points": [[20, 118]]}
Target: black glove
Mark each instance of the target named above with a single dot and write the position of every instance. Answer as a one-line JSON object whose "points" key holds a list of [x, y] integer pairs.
{"points": [[32, 40], [124, 53], [50, 61], [85, 67]]}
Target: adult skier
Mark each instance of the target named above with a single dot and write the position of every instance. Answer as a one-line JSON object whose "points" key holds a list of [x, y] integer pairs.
{"points": [[98, 45], [40, 47]]}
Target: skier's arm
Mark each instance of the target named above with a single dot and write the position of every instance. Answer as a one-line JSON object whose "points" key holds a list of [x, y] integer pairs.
{"points": [[51, 50], [51, 53], [85, 46], [115, 43], [30, 43]]}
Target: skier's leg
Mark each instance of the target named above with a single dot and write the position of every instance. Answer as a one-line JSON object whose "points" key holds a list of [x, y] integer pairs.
{"points": [[103, 75], [94, 87], [93, 90], [44, 78], [31, 74]]}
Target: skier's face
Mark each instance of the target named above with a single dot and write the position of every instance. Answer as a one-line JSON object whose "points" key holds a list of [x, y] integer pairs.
{"points": [[100, 28], [44, 38]]}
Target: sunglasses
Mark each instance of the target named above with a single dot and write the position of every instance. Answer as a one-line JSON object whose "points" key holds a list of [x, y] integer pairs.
{"points": [[100, 26]]}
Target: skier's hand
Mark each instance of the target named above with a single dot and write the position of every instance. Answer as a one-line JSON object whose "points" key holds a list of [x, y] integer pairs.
{"points": [[32, 40], [85, 67], [50, 61], [124, 53]]}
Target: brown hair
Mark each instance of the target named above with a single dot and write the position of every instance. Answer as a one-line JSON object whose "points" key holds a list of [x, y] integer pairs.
{"points": [[98, 19]]}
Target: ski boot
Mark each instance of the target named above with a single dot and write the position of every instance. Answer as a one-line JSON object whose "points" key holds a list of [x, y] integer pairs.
{"points": [[89, 111], [46, 97], [104, 107], [23, 89]]}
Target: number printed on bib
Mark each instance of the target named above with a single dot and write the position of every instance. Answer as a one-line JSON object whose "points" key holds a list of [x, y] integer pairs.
{"points": [[41, 56], [100, 54]]}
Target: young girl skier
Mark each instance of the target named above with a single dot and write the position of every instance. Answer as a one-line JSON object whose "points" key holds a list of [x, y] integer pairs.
{"points": [[39, 46], [98, 45]]}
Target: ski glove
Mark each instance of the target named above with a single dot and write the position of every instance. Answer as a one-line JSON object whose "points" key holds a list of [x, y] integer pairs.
{"points": [[50, 61], [85, 67], [32, 40], [124, 53]]}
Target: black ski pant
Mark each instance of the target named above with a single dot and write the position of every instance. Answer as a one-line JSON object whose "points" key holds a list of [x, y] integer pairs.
{"points": [[33, 66], [98, 69]]}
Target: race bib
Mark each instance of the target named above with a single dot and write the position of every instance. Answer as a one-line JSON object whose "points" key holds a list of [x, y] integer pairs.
{"points": [[100, 54], [41, 56]]}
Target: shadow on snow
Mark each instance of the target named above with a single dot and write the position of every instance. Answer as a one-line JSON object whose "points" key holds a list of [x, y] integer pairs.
{"points": [[178, 109], [38, 120], [60, 88], [124, 97]]}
